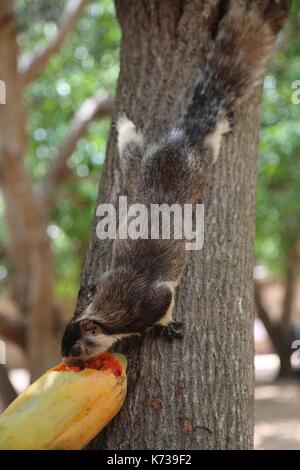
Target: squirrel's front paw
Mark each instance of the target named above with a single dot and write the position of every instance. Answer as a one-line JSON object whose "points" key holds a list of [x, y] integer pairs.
{"points": [[174, 329]]}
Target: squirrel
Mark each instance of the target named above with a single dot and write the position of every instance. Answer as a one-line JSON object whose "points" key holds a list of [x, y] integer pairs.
{"points": [[138, 290]]}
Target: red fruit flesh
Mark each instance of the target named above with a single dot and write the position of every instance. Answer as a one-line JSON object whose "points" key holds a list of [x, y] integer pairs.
{"points": [[103, 362]]}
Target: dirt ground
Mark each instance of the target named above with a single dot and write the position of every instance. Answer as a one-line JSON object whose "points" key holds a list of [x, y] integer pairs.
{"points": [[277, 408], [277, 416]]}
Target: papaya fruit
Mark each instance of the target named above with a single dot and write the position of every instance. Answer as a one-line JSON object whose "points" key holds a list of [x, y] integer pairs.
{"points": [[66, 407]]}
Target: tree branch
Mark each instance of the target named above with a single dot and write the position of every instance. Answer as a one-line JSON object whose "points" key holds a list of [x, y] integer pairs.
{"points": [[33, 63], [99, 106], [7, 391], [13, 329]]}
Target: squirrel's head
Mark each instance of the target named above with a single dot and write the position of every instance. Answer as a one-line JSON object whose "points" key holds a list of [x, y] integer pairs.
{"points": [[123, 304]]}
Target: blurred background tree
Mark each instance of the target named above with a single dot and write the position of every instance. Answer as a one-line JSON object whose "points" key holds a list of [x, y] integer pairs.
{"points": [[59, 72], [66, 82], [87, 63], [278, 192]]}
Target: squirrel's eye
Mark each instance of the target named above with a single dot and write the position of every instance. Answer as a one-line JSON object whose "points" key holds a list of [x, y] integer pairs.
{"points": [[89, 327]]}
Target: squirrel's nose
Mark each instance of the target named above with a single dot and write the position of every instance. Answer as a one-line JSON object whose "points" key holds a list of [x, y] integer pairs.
{"points": [[70, 339], [76, 351]]}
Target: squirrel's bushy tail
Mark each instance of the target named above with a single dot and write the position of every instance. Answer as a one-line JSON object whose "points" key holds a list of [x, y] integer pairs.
{"points": [[236, 63]]}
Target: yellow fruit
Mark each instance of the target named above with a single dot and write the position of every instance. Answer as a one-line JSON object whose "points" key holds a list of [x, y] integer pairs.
{"points": [[64, 409]]}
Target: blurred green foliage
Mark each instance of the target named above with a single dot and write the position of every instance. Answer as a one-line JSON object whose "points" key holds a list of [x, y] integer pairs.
{"points": [[278, 193], [89, 62]]}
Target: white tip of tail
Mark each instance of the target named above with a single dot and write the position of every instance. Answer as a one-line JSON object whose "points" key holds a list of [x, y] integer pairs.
{"points": [[215, 138], [127, 133]]}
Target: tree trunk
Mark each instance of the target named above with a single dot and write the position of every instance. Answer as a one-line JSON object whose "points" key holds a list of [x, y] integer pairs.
{"points": [[284, 353], [196, 393], [280, 331], [8, 393], [280, 342]]}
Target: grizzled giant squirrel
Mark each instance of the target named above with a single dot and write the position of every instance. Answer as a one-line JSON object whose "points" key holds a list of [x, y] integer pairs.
{"points": [[138, 290]]}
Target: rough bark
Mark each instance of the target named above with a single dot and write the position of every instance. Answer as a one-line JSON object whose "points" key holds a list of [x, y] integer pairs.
{"points": [[198, 392]]}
